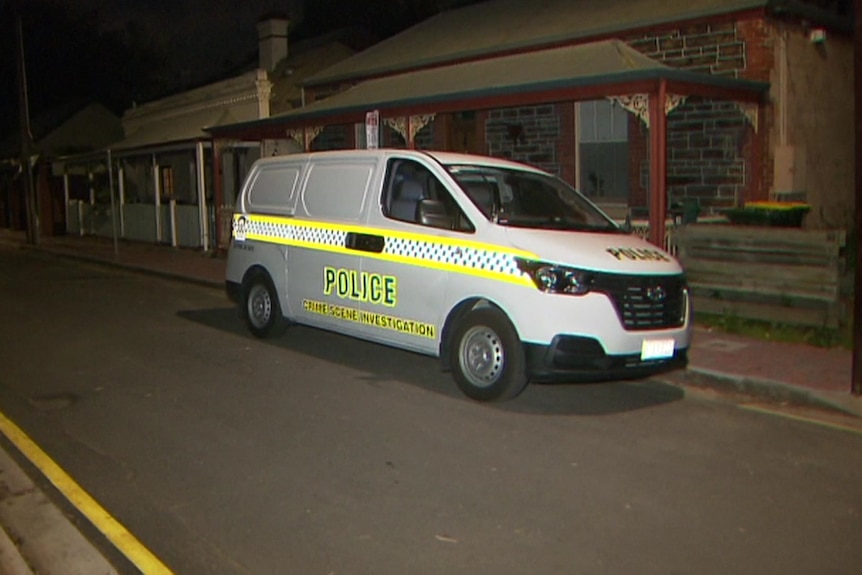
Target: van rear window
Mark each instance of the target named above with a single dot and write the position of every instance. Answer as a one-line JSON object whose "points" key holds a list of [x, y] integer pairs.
{"points": [[273, 189]]}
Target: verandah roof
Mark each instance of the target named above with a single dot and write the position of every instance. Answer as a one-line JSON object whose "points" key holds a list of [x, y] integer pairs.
{"points": [[185, 128], [581, 72], [508, 26], [497, 27]]}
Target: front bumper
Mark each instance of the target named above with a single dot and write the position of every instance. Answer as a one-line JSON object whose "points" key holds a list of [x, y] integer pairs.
{"points": [[583, 359]]}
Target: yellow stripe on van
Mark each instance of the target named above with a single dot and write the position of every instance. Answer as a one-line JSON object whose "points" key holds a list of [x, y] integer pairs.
{"points": [[383, 232], [410, 248], [521, 280]]}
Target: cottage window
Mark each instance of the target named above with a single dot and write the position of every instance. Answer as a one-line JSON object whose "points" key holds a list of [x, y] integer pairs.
{"points": [[167, 182], [604, 150]]}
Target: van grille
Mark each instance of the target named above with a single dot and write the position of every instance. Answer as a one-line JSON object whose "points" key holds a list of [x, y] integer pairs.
{"points": [[645, 302]]}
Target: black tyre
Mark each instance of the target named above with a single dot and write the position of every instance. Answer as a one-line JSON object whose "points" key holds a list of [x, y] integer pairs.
{"points": [[486, 356], [260, 308]]}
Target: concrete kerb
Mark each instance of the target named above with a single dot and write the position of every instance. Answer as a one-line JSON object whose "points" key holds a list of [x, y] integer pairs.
{"points": [[38, 537], [769, 390], [11, 560], [127, 266]]}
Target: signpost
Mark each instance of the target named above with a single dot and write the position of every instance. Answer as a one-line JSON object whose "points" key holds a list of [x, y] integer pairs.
{"points": [[372, 130], [31, 201]]}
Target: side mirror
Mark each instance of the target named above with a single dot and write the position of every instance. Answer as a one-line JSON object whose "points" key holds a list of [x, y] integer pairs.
{"points": [[433, 213]]}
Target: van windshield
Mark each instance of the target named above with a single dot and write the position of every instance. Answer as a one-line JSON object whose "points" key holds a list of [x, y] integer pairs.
{"points": [[524, 199]]}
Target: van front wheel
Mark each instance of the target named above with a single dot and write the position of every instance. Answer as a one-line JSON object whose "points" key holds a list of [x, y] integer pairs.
{"points": [[261, 311], [487, 357]]}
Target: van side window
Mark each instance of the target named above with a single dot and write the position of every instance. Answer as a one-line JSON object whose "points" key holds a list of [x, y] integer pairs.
{"points": [[337, 190], [411, 193]]}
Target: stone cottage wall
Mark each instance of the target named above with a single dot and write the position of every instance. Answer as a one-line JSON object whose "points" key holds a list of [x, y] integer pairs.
{"points": [[714, 154], [528, 134]]}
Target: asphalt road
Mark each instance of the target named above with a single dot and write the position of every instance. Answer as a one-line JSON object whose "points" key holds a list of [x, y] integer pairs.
{"points": [[319, 454]]}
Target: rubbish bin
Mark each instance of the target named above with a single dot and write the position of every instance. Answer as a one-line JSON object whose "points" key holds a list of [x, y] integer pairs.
{"points": [[690, 210]]}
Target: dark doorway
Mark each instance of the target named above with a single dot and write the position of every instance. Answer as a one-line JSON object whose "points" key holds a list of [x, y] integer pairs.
{"points": [[463, 134]]}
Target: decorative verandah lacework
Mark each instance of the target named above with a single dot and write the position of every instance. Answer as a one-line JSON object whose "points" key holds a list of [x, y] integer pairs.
{"points": [[305, 136], [638, 104], [409, 127]]}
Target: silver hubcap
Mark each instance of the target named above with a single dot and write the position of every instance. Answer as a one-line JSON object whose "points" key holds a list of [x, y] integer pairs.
{"points": [[259, 306], [481, 356]]}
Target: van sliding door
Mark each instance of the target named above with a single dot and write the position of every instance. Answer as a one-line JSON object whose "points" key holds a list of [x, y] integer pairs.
{"points": [[324, 268]]}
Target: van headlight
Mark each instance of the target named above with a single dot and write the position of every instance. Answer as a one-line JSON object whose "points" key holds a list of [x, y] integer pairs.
{"points": [[554, 278]]}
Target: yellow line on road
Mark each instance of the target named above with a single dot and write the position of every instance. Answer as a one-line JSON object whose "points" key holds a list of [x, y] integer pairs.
{"points": [[124, 541], [829, 424]]}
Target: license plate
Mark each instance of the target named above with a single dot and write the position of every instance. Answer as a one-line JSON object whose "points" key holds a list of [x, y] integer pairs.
{"points": [[656, 349]]}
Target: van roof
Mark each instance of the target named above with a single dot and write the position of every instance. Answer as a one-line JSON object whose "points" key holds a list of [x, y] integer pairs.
{"points": [[445, 158]]}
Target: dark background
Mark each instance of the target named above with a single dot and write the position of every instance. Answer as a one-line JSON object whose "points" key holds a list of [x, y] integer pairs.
{"points": [[120, 52]]}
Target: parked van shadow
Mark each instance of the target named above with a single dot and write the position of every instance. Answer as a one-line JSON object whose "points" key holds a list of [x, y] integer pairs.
{"points": [[380, 363]]}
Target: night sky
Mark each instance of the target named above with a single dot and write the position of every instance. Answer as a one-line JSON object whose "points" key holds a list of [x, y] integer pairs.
{"points": [[122, 51]]}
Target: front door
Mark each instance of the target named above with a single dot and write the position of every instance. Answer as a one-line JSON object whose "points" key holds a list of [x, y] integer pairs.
{"points": [[409, 258], [463, 134]]}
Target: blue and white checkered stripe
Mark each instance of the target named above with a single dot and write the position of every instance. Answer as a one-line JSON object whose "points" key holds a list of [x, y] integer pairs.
{"points": [[292, 233], [413, 249], [476, 258]]}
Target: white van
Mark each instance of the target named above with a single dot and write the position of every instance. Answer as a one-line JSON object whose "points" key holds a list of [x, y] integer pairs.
{"points": [[503, 271]]}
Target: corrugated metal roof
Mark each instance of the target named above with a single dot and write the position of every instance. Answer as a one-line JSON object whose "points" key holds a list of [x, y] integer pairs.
{"points": [[187, 127], [292, 72], [500, 26], [594, 64]]}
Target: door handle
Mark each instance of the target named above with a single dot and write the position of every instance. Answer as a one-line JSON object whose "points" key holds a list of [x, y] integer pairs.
{"points": [[364, 242]]}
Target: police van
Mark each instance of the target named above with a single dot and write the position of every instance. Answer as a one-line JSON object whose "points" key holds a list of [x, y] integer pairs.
{"points": [[504, 272]]}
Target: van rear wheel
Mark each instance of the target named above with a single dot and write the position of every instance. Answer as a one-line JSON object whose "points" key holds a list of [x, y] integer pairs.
{"points": [[260, 308], [487, 357]]}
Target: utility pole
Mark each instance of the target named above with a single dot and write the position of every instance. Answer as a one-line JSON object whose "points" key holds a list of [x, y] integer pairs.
{"points": [[31, 200], [856, 385]]}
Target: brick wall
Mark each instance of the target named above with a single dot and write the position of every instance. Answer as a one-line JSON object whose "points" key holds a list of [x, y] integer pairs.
{"points": [[705, 150], [528, 134], [638, 162], [759, 40], [709, 48], [713, 153]]}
